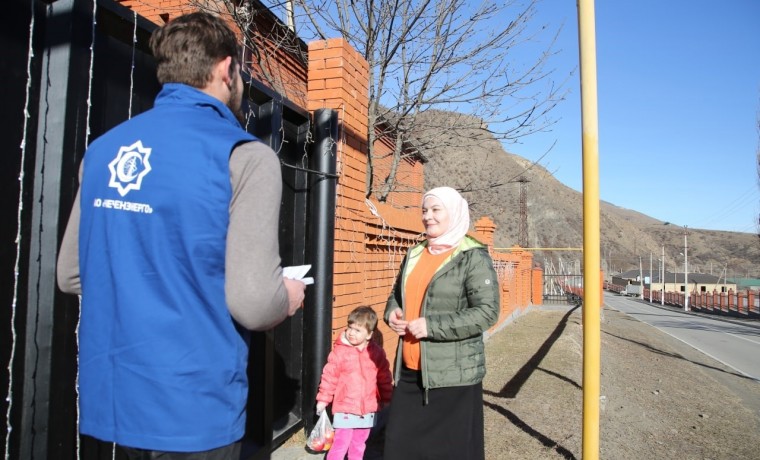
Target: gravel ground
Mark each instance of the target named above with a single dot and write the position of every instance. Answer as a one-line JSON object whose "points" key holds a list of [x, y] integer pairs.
{"points": [[660, 399]]}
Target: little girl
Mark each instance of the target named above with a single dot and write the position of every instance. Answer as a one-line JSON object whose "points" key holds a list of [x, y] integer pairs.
{"points": [[357, 380]]}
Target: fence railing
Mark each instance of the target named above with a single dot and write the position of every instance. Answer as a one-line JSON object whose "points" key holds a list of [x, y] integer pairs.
{"points": [[744, 303]]}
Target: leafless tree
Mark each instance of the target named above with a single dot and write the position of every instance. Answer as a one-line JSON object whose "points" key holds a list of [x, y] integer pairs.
{"points": [[449, 55]]}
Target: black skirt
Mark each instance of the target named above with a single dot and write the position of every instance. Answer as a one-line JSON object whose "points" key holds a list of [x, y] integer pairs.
{"points": [[449, 426]]}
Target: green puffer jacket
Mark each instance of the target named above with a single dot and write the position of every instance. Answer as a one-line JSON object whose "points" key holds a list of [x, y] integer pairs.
{"points": [[461, 302]]}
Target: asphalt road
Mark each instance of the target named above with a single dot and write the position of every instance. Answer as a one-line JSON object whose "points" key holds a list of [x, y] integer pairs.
{"points": [[733, 342]]}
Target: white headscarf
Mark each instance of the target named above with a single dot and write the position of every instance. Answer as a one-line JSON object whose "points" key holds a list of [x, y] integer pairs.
{"points": [[459, 219]]}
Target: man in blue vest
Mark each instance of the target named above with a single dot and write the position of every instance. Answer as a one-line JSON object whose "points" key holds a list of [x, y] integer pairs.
{"points": [[173, 245]]}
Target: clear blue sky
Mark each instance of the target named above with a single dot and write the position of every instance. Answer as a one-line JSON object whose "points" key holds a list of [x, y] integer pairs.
{"points": [[678, 100]]}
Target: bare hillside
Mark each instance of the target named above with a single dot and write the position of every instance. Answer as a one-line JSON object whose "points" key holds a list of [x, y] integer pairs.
{"points": [[488, 177]]}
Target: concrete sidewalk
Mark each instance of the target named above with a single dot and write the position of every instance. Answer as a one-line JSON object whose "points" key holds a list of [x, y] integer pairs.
{"points": [[294, 453]]}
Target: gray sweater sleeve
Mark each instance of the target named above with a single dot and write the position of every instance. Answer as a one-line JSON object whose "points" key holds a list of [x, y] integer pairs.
{"points": [[256, 294], [67, 270]]}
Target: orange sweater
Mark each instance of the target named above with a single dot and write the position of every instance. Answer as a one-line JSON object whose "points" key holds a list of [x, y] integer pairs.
{"points": [[414, 292]]}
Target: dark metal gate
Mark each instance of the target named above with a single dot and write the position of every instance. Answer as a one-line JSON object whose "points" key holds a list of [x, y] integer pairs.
{"points": [[38, 335], [562, 289]]}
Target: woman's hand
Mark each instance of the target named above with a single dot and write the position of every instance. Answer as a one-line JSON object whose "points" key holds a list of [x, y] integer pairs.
{"points": [[397, 323], [418, 328]]}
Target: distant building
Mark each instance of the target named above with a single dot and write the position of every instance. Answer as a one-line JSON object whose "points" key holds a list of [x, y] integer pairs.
{"points": [[745, 284], [673, 282]]}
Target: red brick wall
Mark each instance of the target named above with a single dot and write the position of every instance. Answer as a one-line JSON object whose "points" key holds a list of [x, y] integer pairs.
{"points": [[280, 65], [518, 280], [158, 11]]}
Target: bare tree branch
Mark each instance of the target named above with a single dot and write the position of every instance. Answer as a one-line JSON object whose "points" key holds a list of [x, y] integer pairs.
{"points": [[424, 56], [446, 55]]}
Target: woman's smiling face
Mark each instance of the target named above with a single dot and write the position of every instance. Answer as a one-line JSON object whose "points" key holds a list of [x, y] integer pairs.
{"points": [[435, 217]]}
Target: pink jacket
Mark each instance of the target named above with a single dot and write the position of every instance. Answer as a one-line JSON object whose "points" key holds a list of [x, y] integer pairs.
{"points": [[354, 381]]}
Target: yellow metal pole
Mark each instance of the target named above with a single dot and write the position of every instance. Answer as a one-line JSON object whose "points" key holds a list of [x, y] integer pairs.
{"points": [[591, 239]]}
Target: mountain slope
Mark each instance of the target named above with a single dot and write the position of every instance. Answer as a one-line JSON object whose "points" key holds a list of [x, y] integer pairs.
{"points": [[487, 176]]}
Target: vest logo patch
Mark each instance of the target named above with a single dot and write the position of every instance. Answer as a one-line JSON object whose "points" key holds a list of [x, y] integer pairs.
{"points": [[129, 167]]}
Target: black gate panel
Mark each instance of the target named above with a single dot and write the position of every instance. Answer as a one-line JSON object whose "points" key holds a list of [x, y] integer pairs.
{"points": [[20, 91], [276, 357], [562, 289], [73, 89]]}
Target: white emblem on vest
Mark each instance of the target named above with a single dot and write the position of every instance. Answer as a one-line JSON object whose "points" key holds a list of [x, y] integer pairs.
{"points": [[129, 167]]}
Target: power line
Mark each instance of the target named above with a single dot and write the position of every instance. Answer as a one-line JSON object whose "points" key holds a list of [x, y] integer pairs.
{"points": [[751, 195]]}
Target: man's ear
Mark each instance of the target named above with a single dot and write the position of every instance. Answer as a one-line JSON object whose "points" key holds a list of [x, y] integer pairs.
{"points": [[233, 69], [225, 72]]}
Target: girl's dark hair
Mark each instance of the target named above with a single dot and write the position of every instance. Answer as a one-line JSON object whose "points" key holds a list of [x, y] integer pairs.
{"points": [[187, 48], [363, 316]]}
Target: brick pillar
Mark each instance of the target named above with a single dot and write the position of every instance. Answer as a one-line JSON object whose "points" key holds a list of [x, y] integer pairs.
{"points": [[538, 286], [526, 265], [337, 79], [484, 230], [750, 300]]}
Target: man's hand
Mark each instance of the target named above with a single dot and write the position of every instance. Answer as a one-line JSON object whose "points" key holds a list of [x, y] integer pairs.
{"points": [[296, 294], [397, 323]]}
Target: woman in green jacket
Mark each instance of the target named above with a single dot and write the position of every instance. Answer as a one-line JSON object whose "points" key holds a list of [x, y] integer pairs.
{"points": [[445, 297]]}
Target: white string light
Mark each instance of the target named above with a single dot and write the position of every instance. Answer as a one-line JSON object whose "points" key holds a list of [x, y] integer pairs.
{"points": [[92, 61], [9, 397], [86, 143], [132, 72]]}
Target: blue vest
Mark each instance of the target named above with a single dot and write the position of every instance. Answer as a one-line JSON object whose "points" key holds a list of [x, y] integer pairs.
{"points": [[162, 363]]}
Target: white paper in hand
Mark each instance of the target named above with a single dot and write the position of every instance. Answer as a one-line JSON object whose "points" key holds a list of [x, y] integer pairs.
{"points": [[298, 272]]}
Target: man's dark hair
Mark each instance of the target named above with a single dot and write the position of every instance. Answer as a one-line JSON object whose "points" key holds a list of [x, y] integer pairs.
{"points": [[187, 48], [363, 316]]}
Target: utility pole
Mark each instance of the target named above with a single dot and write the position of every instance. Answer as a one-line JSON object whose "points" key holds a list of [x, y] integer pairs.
{"points": [[686, 268], [522, 233], [592, 300], [651, 278], [675, 276], [662, 297]]}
